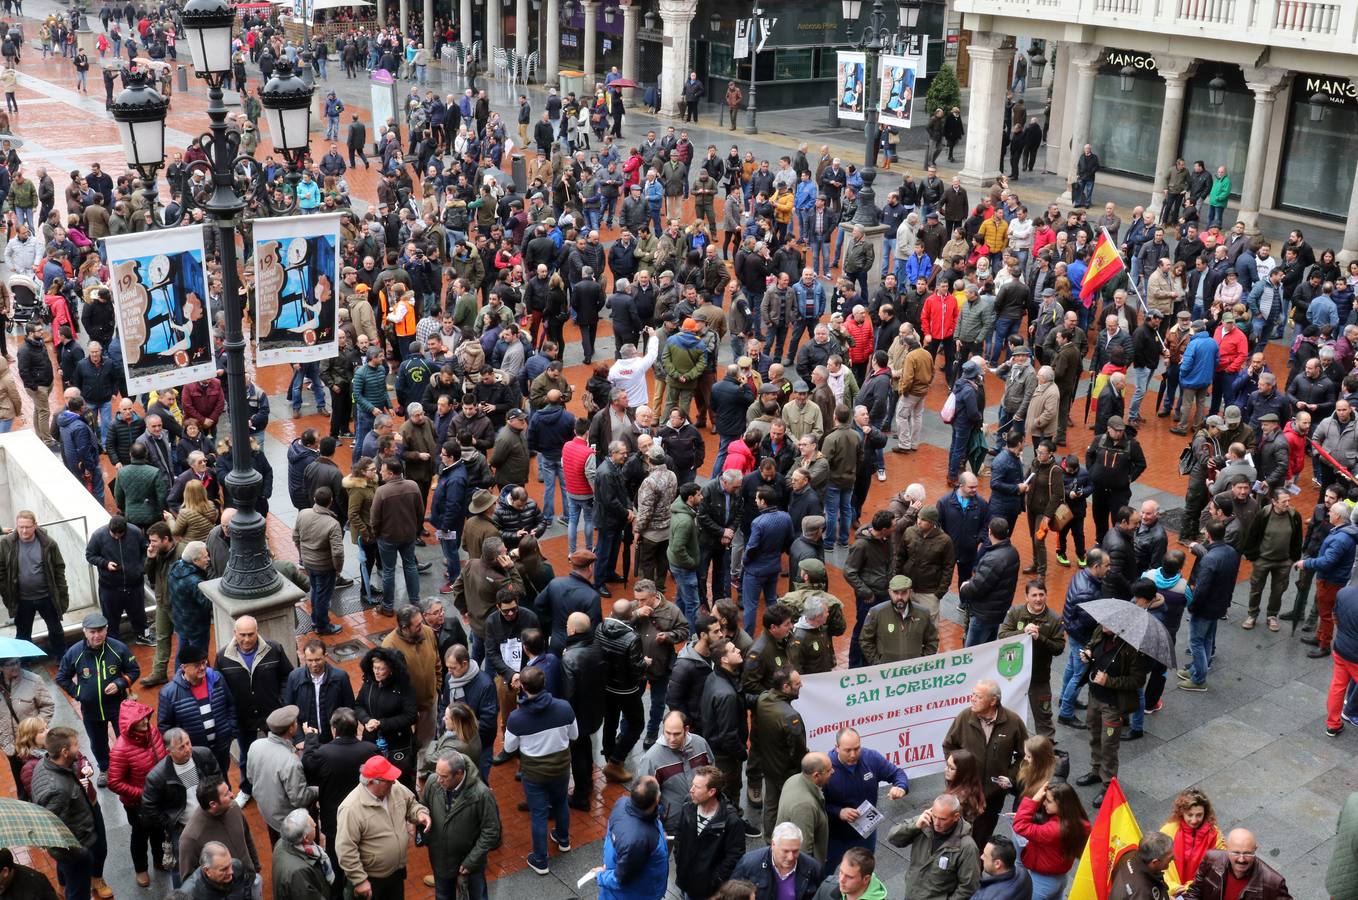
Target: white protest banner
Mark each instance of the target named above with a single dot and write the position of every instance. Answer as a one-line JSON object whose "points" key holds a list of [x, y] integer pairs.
{"points": [[296, 272], [896, 99], [159, 288], [850, 89], [903, 710]]}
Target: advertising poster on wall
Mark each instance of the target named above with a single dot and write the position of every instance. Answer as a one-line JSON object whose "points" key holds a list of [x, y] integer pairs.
{"points": [[160, 292], [896, 99], [296, 273], [850, 90]]}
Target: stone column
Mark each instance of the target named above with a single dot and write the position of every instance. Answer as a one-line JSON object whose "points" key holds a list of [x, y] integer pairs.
{"points": [[405, 18], [990, 62], [1350, 248], [552, 65], [465, 33], [382, 12], [494, 34], [591, 57], [1176, 70], [520, 27], [674, 62], [1265, 82], [631, 18], [429, 25], [1086, 61]]}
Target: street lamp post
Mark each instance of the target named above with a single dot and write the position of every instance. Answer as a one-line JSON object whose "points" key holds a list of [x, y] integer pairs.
{"points": [[752, 126], [208, 24], [140, 112], [871, 41]]}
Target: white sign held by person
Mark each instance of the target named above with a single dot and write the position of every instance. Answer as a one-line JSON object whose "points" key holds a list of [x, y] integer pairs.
{"points": [[296, 272], [904, 710], [159, 287]]}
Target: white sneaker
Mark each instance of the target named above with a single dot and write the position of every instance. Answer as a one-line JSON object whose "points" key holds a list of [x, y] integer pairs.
{"points": [[881, 474], [242, 798]]}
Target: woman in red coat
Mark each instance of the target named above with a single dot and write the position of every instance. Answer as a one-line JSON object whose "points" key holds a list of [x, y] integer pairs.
{"points": [[138, 748], [1054, 822]]}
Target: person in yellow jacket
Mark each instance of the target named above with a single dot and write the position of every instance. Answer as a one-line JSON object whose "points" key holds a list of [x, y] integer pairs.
{"points": [[994, 231], [1192, 824], [782, 210]]}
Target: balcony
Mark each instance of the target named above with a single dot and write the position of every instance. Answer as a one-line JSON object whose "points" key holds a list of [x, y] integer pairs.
{"points": [[1305, 25]]}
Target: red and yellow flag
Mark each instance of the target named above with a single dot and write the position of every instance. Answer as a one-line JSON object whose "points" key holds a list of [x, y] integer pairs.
{"points": [[1115, 832], [1104, 263]]}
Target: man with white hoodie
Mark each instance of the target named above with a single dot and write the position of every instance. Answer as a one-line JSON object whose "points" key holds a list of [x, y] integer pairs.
{"points": [[628, 373]]}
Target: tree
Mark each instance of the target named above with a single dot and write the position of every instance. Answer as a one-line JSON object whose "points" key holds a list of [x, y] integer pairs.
{"points": [[944, 92]]}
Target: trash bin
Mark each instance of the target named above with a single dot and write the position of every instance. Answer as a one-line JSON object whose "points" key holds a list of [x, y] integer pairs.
{"points": [[833, 116], [183, 80], [572, 81], [518, 171]]}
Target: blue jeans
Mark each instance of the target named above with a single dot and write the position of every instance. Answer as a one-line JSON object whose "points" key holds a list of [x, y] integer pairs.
{"points": [[888, 253], [1047, 887], [1202, 642], [686, 592], [552, 476], [322, 589], [576, 510], [751, 586], [1003, 328], [838, 511], [659, 688], [25, 214], [1142, 378], [307, 370], [364, 574], [1215, 215], [446, 888], [957, 451], [722, 443], [1138, 718], [332, 128], [105, 420], [452, 560], [547, 800], [820, 256], [363, 423], [75, 874], [1070, 680], [979, 632], [387, 551], [6, 425], [1083, 195]]}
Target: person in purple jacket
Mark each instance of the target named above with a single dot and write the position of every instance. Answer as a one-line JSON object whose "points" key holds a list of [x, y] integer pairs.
{"points": [[856, 776]]}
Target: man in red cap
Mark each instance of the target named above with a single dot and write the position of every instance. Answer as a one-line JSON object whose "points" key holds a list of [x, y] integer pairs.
{"points": [[371, 838]]}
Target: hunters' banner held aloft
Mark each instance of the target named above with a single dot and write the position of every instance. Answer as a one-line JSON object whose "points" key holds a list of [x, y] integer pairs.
{"points": [[903, 710], [164, 322], [296, 275]]}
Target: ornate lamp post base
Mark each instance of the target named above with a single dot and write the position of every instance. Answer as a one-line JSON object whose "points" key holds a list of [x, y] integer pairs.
{"points": [[276, 611]]}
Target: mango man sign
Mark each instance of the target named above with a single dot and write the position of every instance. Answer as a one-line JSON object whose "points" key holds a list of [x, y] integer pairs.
{"points": [[904, 710]]}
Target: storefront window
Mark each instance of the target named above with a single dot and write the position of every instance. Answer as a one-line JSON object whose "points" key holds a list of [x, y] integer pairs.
{"points": [[795, 64], [720, 63], [1124, 127], [1315, 147], [1218, 135], [825, 63]]}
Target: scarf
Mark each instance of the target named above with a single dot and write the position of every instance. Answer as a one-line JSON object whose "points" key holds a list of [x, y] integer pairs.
{"points": [[314, 853], [1190, 847], [456, 685]]}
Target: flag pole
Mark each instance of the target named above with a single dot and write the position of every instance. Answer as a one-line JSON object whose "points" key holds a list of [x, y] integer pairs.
{"points": [[1145, 307]]}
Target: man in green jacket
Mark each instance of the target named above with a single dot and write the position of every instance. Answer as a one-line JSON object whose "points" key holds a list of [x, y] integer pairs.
{"points": [[897, 629], [299, 861], [1048, 631], [465, 826], [802, 802], [777, 739], [370, 393], [1218, 198], [140, 489], [842, 447], [685, 362], [683, 548], [939, 832]]}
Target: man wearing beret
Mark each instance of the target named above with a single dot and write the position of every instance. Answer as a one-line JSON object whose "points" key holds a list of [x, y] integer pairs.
{"points": [[275, 772], [98, 672]]}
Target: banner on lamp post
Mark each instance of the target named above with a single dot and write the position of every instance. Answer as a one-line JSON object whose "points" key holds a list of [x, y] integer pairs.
{"points": [[896, 99], [903, 710], [742, 45], [296, 275], [850, 84], [159, 289]]}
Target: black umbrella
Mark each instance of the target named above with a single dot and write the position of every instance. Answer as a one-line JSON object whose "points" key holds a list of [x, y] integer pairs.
{"points": [[1136, 626]]}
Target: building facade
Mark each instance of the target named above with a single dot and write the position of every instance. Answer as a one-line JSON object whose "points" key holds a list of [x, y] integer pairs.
{"points": [[1263, 87]]}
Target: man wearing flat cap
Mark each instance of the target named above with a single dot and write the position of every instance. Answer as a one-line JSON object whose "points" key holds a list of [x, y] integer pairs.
{"points": [[276, 774], [897, 629], [98, 672]]}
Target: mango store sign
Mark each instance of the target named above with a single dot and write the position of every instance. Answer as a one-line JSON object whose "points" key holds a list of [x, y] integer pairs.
{"points": [[904, 710]]}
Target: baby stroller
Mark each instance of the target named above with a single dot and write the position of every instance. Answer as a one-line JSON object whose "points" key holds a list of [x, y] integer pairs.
{"points": [[27, 302]]}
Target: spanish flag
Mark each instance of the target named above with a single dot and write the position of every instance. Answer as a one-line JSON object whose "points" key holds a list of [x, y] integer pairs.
{"points": [[1115, 832], [1104, 263]]}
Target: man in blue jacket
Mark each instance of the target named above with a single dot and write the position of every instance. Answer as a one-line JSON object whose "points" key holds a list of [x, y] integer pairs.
{"points": [[1196, 369], [769, 868], [448, 510], [770, 536], [179, 708], [550, 429], [636, 855], [966, 417], [1213, 583], [811, 302], [963, 514], [855, 778], [118, 553], [1332, 566], [1007, 486], [98, 672]]}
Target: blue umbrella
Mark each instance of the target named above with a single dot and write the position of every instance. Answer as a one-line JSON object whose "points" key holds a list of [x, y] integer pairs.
{"points": [[13, 648]]}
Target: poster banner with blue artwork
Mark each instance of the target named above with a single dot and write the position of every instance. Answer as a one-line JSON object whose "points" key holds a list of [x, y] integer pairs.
{"points": [[896, 99], [850, 90], [296, 272], [160, 293]]}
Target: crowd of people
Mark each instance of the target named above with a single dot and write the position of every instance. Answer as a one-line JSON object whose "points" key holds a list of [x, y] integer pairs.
{"points": [[459, 297]]}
